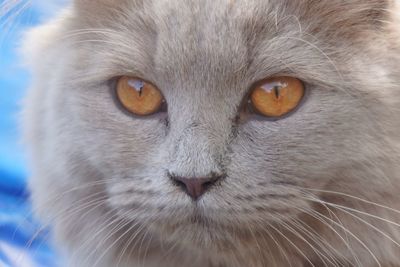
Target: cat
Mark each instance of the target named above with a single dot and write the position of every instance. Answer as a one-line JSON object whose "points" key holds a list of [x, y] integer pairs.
{"points": [[208, 133]]}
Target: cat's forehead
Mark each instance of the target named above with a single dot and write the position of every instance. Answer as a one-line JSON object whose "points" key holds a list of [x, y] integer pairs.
{"points": [[187, 37], [200, 36], [190, 23], [325, 12]]}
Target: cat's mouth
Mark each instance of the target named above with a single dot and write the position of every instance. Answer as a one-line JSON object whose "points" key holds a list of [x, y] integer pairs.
{"points": [[197, 218], [203, 232]]}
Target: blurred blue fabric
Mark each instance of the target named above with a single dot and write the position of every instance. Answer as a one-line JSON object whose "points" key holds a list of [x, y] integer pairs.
{"points": [[23, 242]]}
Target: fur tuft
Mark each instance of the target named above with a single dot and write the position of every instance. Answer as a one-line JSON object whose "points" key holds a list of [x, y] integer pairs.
{"points": [[316, 188]]}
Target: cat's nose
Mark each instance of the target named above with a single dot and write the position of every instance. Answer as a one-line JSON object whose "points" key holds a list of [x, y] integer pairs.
{"points": [[195, 187]]}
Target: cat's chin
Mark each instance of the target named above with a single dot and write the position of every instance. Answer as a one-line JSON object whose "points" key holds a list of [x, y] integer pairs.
{"points": [[200, 231], [207, 224], [201, 234]]}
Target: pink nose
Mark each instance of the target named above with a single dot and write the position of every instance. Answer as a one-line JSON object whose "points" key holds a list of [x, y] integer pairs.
{"points": [[195, 187]]}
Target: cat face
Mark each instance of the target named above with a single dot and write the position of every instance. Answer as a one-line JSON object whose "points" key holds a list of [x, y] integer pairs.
{"points": [[205, 58]]}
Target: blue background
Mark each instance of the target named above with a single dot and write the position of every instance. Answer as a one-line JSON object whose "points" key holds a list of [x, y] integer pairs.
{"points": [[22, 244]]}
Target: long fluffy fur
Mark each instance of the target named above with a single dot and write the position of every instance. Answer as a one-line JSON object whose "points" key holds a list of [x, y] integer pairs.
{"points": [[318, 188]]}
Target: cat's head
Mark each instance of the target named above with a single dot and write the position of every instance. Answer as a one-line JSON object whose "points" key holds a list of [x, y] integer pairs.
{"points": [[206, 165]]}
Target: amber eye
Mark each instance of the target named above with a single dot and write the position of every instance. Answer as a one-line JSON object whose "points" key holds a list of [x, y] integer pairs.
{"points": [[138, 96], [277, 96]]}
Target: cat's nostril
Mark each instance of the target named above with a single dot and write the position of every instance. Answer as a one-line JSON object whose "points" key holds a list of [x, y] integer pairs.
{"points": [[179, 183], [195, 187]]}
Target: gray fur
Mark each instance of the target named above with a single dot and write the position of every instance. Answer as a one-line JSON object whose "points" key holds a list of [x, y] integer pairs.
{"points": [[99, 176]]}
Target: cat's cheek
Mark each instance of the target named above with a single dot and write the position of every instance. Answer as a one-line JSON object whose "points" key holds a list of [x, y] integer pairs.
{"points": [[285, 151], [117, 139]]}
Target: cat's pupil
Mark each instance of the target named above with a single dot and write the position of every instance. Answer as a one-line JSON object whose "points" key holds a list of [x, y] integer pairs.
{"points": [[276, 91], [137, 85]]}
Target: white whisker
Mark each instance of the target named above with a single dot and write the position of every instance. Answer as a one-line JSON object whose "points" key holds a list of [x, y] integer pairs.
{"points": [[294, 245], [352, 235]]}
